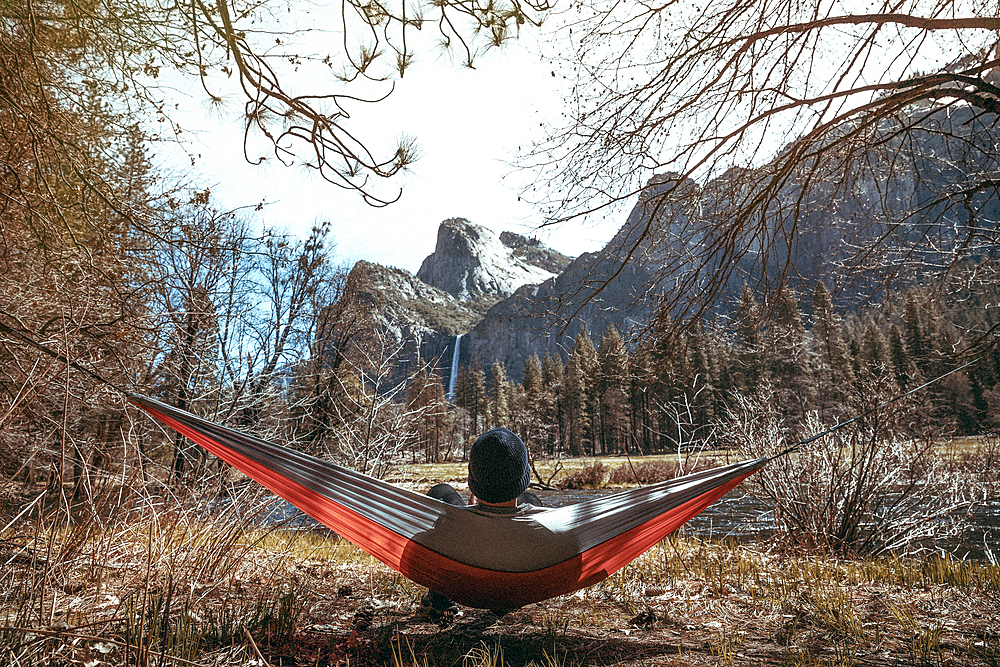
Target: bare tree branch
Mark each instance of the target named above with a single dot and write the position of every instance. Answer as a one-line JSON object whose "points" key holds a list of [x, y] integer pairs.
{"points": [[773, 112]]}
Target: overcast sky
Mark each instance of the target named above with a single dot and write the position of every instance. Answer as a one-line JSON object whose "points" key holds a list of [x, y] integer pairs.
{"points": [[468, 124]]}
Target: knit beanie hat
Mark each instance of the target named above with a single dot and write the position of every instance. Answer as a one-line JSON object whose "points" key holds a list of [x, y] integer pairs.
{"points": [[498, 466]]}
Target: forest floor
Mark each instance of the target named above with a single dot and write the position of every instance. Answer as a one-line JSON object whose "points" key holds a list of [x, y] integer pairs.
{"points": [[289, 599], [161, 586], [684, 603]]}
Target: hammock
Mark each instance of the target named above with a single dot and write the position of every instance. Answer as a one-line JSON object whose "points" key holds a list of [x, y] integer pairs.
{"points": [[478, 561]]}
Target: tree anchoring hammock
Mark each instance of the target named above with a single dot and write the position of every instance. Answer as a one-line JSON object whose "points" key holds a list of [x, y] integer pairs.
{"points": [[475, 560]]}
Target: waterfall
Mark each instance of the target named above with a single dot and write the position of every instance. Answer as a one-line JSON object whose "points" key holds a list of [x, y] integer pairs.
{"points": [[454, 369]]}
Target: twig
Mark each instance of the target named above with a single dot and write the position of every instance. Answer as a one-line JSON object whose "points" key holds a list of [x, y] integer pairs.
{"points": [[255, 649], [631, 467], [546, 486]]}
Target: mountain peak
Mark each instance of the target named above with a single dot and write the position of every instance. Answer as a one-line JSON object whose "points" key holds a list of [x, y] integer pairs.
{"points": [[471, 263]]}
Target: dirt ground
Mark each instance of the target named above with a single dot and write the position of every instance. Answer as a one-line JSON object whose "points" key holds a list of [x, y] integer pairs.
{"points": [[676, 605], [691, 623], [166, 589]]}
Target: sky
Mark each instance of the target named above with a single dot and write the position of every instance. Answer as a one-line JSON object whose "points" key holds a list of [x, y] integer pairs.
{"points": [[469, 125]]}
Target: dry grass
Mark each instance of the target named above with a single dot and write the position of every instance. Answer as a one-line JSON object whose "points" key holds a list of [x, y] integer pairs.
{"points": [[620, 470], [159, 586], [157, 581]]}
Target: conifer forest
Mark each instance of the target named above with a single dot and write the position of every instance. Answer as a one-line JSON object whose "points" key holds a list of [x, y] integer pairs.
{"points": [[677, 389]]}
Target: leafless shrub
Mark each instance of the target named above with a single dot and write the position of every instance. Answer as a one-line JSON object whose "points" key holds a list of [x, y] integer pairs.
{"points": [[646, 472], [855, 491], [141, 566], [589, 477], [356, 413], [649, 472], [547, 482], [14, 453], [981, 463]]}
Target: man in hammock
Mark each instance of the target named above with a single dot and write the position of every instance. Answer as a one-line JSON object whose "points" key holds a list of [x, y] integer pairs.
{"points": [[499, 475], [465, 554]]}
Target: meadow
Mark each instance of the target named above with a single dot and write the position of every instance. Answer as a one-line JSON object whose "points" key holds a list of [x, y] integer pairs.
{"points": [[159, 581]]}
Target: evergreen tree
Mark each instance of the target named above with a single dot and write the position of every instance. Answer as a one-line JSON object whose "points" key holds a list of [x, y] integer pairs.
{"points": [[856, 368], [670, 382], [669, 357], [464, 396], [720, 365], [788, 359], [479, 400], [641, 396], [612, 360], [519, 417], [500, 404], [552, 370], [583, 347], [463, 387], [834, 375], [704, 378], [575, 398], [904, 369], [533, 382], [874, 351], [749, 371], [955, 405], [615, 418], [941, 339], [913, 330], [553, 373], [980, 406], [581, 374], [531, 404]]}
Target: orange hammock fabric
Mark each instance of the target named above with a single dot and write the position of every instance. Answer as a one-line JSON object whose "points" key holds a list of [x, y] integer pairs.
{"points": [[475, 560]]}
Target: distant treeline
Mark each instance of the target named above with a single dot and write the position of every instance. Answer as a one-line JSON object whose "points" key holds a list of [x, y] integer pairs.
{"points": [[675, 389]]}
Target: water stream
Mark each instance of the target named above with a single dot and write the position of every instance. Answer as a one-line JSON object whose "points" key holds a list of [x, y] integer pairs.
{"points": [[742, 518], [737, 516]]}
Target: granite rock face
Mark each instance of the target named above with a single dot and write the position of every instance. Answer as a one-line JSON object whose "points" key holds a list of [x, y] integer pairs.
{"points": [[409, 319], [419, 317], [609, 287], [918, 202], [472, 264]]}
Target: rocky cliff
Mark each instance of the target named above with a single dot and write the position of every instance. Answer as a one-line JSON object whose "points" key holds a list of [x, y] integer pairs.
{"points": [[389, 313], [616, 285], [470, 270], [916, 201], [472, 264]]}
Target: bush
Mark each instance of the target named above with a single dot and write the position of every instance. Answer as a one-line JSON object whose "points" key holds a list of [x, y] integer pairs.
{"points": [[982, 463], [15, 455], [644, 472], [589, 477], [857, 491]]}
